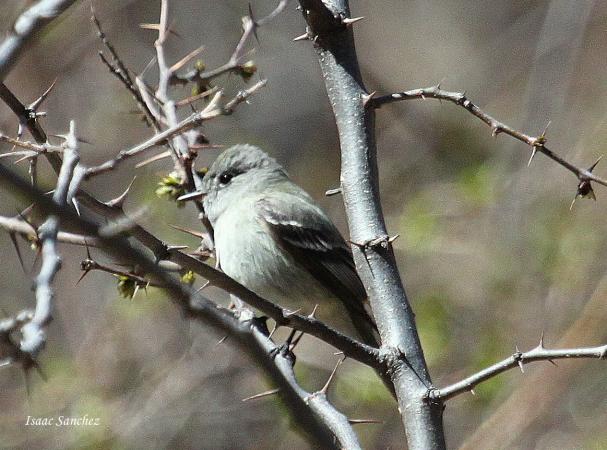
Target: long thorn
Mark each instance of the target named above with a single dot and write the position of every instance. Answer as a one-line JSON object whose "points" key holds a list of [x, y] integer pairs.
{"points": [[328, 383], [17, 249], [261, 395]]}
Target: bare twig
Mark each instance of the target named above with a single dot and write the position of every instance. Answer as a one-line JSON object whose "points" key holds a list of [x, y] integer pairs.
{"points": [[518, 359], [89, 265], [179, 142], [537, 143], [195, 98], [35, 149]]}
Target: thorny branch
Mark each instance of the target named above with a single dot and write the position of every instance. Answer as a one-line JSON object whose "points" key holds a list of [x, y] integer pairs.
{"points": [[518, 359], [117, 67], [318, 418], [27, 115], [179, 144], [537, 143], [33, 148], [350, 347]]}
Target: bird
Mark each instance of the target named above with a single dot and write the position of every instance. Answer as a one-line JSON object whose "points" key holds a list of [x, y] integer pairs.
{"points": [[273, 238]]}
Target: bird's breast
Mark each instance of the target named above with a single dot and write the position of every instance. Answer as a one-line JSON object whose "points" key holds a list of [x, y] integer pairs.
{"points": [[248, 253]]}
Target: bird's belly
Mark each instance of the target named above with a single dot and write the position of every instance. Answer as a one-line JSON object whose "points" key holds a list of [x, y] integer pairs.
{"points": [[250, 255]]}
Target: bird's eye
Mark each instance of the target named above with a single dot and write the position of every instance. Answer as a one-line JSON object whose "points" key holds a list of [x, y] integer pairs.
{"points": [[225, 177]]}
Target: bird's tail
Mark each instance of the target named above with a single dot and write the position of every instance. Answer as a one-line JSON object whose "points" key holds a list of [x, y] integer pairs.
{"points": [[366, 327]]}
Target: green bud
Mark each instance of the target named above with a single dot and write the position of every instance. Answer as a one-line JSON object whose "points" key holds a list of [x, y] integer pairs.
{"points": [[126, 286], [188, 277], [247, 70], [171, 187], [199, 65]]}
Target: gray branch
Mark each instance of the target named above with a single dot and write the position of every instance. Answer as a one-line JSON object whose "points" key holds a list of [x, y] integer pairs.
{"points": [[330, 30], [250, 26], [33, 335], [23, 228]]}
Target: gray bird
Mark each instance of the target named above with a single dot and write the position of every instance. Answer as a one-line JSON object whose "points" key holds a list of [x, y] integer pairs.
{"points": [[274, 239]]}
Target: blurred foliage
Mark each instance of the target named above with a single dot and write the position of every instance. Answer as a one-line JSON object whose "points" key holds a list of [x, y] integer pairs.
{"points": [[434, 326], [490, 348], [419, 226], [477, 185]]}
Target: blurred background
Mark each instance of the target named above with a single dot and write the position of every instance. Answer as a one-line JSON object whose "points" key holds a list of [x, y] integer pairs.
{"points": [[489, 250]]}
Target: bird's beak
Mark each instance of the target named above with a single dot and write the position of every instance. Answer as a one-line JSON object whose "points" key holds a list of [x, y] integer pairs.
{"points": [[197, 195]]}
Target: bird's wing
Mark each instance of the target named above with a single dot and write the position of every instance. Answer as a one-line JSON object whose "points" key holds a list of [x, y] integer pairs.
{"points": [[304, 231]]}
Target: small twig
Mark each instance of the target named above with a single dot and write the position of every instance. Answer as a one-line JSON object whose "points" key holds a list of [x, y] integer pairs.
{"points": [[36, 149], [23, 228], [249, 28], [118, 68], [89, 265], [195, 98], [179, 143], [186, 59], [262, 395], [189, 123], [517, 359]]}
